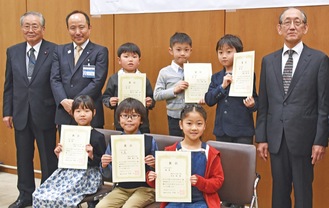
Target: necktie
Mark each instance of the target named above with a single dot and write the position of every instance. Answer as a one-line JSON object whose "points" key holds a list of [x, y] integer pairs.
{"points": [[181, 72], [287, 71], [31, 64], [77, 54]]}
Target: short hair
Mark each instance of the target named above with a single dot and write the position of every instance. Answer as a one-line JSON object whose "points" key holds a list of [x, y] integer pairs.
{"points": [[38, 14], [301, 11], [129, 47], [230, 40], [84, 101], [131, 104], [193, 107], [77, 12], [179, 37]]}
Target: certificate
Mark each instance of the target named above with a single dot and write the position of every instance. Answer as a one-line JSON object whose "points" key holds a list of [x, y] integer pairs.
{"points": [[128, 153], [74, 140], [243, 74], [132, 85], [198, 76], [173, 176]]}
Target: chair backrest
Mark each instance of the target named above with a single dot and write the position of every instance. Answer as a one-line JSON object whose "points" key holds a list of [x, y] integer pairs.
{"points": [[107, 133], [165, 140], [239, 166]]}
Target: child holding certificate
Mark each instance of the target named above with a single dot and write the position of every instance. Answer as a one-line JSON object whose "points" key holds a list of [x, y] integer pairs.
{"points": [[129, 56], [207, 174], [170, 85], [67, 187], [130, 113], [234, 115]]}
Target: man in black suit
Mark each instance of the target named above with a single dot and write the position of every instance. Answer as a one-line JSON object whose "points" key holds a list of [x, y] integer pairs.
{"points": [[79, 68], [292, 119], [29, 106]]}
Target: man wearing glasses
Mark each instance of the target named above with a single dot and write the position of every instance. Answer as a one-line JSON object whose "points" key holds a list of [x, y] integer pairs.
{"points": [[292, 119], [29, 106]]}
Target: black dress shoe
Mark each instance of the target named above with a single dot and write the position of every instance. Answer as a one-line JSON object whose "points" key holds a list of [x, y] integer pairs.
{"points": [[20, 203]]}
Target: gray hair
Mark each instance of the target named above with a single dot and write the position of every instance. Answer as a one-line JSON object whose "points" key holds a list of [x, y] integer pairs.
{"points": [[42, 19], [301, 11]]}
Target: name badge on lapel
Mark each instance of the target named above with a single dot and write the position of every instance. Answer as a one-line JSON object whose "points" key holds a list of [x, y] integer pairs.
{"points": [[88, 71]]}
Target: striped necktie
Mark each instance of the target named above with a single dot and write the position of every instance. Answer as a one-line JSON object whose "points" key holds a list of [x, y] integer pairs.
{"points": [[31, 64], [287, 71]]}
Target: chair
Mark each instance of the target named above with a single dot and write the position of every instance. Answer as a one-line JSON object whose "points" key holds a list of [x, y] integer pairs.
{"points": [[107, 133], [106, 187], [240, 177], [165, 140]]}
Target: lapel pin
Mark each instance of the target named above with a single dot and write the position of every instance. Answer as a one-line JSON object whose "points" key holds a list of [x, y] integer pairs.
{"points": [[69, 51], [46, 52]]}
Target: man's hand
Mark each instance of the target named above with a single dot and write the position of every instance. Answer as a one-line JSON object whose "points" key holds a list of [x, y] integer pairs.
{"points": [[317, 153], [67, 104], [8, 121], [262, 149]]}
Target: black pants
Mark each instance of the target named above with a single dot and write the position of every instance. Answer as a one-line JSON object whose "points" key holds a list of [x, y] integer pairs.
{"points": [[174, 128], [291, 170], [46, 142]]}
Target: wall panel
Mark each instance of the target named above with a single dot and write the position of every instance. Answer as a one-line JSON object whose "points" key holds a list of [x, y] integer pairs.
{"points": [[151, 32], [9, 34]]}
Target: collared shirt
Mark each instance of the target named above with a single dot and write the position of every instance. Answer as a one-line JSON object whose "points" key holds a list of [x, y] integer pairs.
{"points": [[121, 71], [175, 66], [296, 55], [36, 52], [83, 46]]}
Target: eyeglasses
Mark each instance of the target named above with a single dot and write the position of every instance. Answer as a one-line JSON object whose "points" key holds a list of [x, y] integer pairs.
{"points": [[132, 116], [296, 23], [33, 27]]}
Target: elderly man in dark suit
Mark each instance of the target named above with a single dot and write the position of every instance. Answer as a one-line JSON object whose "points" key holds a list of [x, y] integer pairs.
{"points": [[79, 68], [29, 106], [292, 120]]}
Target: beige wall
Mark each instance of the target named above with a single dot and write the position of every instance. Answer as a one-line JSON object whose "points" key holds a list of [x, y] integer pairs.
{"points": [[256, 28]]}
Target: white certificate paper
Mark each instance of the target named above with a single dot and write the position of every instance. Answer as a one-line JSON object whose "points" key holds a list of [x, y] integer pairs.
{"points": [[128, 153], [74, 140], [243, 74], [132, 85], [198, 75], [173, 176]]}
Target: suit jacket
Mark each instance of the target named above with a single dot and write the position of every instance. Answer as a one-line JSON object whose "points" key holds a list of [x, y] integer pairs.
{"points": [[233, 118], [67, 81], [302, 114], [20, 95]]}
